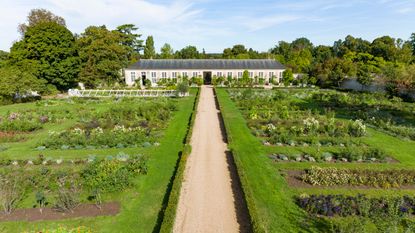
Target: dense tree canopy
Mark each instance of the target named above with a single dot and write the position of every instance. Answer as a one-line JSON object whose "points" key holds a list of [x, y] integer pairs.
{"points": [[48, 51], [166, 52], [14, 81], [189, 52], [103, 56], [3, 58]]}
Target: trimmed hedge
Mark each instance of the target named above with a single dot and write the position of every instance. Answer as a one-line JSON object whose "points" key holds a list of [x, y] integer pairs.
{"points": [[247, 192]]}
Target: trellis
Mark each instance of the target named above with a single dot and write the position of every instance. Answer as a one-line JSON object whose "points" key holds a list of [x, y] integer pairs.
{"points": [[124, 93]]}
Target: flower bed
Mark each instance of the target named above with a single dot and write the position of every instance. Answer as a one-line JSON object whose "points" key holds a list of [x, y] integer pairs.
{"points": [[127, 125], [346, 154], [360, 205], [358, 177]]}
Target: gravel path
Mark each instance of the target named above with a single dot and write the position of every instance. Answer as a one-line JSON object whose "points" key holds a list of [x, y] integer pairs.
{"points": [[210, 198]]}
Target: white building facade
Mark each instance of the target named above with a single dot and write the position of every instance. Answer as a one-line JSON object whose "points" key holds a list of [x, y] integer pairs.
{"points": [[157, 69]]}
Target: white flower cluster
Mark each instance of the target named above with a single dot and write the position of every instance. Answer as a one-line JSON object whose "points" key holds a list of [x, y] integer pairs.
{"points": [[97, 130], [271, 127], [311, 123], [122, 128], [78, 131]]}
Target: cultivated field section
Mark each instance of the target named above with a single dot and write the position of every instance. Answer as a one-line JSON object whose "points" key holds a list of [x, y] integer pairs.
{"points": [[314, 160], [91, 165], [207, 201]]}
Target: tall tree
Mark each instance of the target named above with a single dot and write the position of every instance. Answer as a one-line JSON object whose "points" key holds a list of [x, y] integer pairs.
{"points": [[37, 16], [166, 52], [412, 42], [149, 50], [48, 51], [189, 52], [102, 55], [131, 40]]}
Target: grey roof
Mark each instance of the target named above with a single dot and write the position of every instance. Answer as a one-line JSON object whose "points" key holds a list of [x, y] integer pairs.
{"points": [[208, 64]]}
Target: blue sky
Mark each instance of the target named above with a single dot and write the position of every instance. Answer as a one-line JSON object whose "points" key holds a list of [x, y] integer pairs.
{"points": [[217, 24]]}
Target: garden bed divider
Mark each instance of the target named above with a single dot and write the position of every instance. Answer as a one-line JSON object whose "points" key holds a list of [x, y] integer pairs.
{"points": [[170, 207]]}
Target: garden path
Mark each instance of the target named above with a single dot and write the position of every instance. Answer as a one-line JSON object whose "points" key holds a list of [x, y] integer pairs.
{"points": [[210, 198]]}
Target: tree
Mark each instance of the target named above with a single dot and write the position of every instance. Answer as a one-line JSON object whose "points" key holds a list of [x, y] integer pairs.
{"points": [[15, 81], [364, 75], [287, 77], [103, 56], [48, 51], [384, 47], [166, 52], [3, 58], [227, 53], [149, 50], [239, 49], [189, 52], [412, 42], [37, 16], [131, 40], [322, 53]]}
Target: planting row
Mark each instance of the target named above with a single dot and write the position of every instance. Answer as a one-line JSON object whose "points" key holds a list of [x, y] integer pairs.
{"points": [[41, 160], [347, 154], [358, 177]]}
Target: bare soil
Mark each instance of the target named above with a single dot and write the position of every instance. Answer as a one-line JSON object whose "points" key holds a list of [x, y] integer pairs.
{"points": [[211, 199], [83, 210]]}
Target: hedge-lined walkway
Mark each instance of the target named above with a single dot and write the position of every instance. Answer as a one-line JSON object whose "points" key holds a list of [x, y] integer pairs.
{"points": [[209, 195]]}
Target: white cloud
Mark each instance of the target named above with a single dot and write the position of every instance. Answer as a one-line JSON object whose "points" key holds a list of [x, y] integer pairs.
{"points": [[259, 23]]}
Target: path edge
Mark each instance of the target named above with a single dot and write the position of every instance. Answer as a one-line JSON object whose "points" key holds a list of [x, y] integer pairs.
{"points": [[246, 190], [170, 209]]}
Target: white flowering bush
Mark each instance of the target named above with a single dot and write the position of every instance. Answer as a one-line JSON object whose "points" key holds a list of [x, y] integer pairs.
{"points": [[357, 128], [311, 125]]}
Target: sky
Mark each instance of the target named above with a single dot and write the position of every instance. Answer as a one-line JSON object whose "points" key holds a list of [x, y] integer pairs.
{"points": [[218, 24]]}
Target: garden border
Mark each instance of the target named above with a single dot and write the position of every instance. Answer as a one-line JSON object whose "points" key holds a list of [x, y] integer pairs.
{"points": [[246, 191], [167, 215]]}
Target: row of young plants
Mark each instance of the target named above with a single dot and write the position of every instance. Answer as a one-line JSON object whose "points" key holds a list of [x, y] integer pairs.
{"points": [[346, 154], [131, 124], [391, 115], [64, 188], [332, 176], [41, 160]]}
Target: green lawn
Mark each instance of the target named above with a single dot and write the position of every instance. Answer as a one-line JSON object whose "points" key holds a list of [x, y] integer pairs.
{"points": [[141, 205], [270, 199]]}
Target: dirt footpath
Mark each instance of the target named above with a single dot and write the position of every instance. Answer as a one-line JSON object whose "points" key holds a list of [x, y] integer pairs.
{"points": [[210, 198]]}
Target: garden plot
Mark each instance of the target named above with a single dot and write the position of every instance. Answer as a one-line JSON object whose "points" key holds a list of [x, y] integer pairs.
{"points": [[103, 160], [283, 119], [323, 176]]}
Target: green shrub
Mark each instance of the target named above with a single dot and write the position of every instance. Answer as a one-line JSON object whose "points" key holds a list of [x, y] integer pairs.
{"points": [[106, 175]]}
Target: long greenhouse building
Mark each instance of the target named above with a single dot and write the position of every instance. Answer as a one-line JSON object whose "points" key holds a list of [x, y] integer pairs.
{"points": [[157, 69]]}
